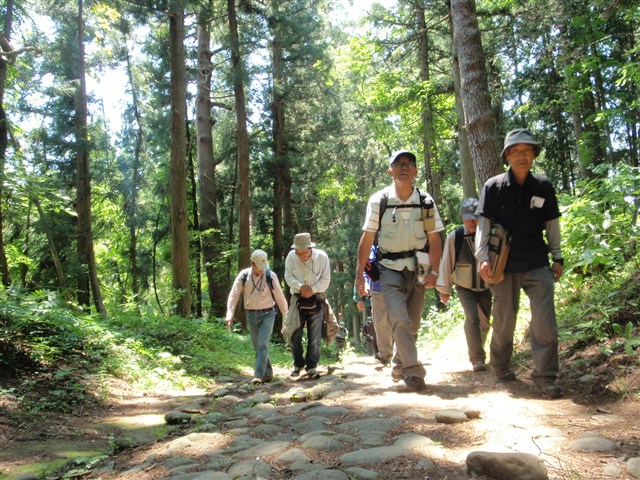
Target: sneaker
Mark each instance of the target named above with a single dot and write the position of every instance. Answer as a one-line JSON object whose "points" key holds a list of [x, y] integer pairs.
{"points": [[479, 367], [295, 372], [257, 381], [415, 383], [505, 375], [548, 388], [313, 374], [385, 362]]}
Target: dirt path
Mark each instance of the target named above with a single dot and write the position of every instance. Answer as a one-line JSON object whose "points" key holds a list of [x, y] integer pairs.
{"points": [[513, 418]]}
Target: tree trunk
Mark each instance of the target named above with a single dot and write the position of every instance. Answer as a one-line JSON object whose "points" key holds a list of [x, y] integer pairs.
{"points": [[86, 256], [4, 143], [428, 130], [196, 243], [242, 139], [279, 148], [467, 176], [55, 257], [209, 222], [178, 181], [479, 120], [131, 208]]}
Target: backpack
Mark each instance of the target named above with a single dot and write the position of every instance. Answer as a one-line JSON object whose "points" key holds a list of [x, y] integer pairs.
{"points": [[245, 275], [371, 268], [385, 199]]}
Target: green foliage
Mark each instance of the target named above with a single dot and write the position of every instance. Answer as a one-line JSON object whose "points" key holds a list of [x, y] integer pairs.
{"points": [[598, 226], [58, 355]]}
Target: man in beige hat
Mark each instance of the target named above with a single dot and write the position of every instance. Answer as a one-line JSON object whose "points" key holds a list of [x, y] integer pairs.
{"points": [[261, 290], [308, 274]]}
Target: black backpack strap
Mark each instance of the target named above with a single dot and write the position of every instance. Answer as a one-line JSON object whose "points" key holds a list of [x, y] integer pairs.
{"points": [[458, 241], [384, 200], [245, 275], [270, 283]]}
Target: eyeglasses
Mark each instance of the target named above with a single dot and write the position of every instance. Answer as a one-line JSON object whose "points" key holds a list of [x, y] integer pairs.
{"points": [[403, 164]]}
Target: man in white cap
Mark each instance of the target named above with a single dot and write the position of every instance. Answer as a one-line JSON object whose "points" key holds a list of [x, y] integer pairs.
{"points": [[526, 205], [308, 274], [406, 223], [459, 267], [260, 288]]}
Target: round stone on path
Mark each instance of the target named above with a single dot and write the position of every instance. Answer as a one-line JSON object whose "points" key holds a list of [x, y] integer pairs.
{"points": [[451, 415], [177, 418], [633, 466], [591, 443], [507, 466]]}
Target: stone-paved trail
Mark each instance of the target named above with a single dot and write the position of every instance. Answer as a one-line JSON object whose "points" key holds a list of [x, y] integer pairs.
{"points": [[356, 423]]}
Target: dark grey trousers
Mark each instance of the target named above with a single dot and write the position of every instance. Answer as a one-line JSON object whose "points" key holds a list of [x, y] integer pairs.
{"points": [[477, 311], [543, 329]]}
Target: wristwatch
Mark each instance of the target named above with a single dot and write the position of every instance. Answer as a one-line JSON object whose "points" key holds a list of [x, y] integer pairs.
{"points": [[559, 260]]}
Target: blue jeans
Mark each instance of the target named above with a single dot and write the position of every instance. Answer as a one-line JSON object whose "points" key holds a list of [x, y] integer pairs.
{"points": [[260, 325], [313, 323]]}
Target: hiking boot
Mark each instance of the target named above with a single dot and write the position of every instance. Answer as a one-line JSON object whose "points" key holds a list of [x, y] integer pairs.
{"points": [[479, 367], [313, 374], [257, 381], [505, 375], [267, 379], [548, 388], [415, 383], [295, 372], [396, 376]]}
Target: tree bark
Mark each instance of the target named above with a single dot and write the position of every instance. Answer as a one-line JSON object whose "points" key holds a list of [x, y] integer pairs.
{"points": [[196, 243], [86, 256], [467, 175], [210, 234], [4, 143], [428, 130], [178, 180], [242, 137], [279, 146], [131, 208], [479, 120]]}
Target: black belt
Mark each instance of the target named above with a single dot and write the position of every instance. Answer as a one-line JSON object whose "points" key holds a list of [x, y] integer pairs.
{"points": [[262, 310], [396, 255]]}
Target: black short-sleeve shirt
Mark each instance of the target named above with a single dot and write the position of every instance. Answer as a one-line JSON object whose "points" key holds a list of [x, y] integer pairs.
{"points": [[523, 210]]}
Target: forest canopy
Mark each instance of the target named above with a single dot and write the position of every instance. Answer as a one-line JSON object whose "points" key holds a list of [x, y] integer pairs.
{"points": [[240, 125]]}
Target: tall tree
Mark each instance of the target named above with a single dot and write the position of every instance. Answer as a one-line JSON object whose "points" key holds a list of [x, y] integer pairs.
{"points": [[5, 48], [428, 128], [208, 188], [85, 250], [242, 135], [178, 179], [479, 120]]}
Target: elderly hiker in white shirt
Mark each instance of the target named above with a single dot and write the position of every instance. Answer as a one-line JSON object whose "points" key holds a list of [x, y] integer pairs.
{"points": [[261, 290], [308, 274], [406, 227]]}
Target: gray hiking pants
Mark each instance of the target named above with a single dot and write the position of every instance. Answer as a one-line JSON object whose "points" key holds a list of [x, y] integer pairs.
{"points": [[543, 330]]}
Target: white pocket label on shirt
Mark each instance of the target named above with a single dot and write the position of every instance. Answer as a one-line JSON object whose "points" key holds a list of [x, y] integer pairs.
{"points": [[536, 202]]}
